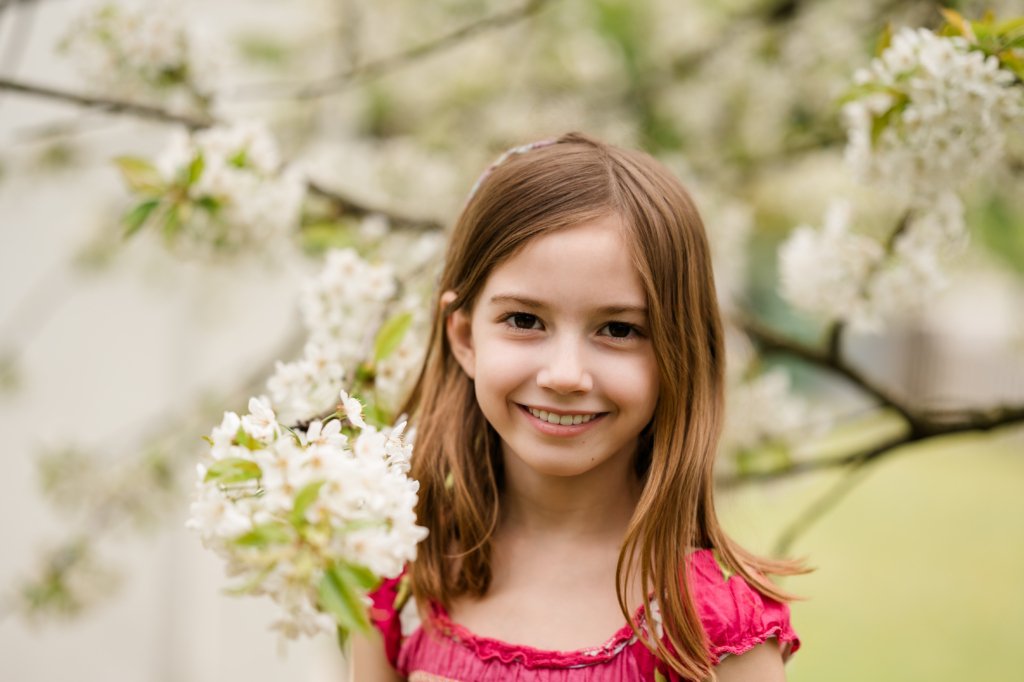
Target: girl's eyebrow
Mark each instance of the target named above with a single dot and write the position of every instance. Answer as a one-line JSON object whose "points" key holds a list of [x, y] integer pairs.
{"points": [[534, 303]]}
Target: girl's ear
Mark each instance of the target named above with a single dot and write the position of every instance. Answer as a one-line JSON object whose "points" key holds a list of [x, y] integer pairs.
{"points": [[459, 329]]}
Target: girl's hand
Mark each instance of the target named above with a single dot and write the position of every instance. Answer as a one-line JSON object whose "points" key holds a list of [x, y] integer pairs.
{"points": [[763, 663], [368, 661]]}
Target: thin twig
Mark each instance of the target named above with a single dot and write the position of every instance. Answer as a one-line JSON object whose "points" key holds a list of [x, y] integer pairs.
{"points": [[817, 509], [349, 207], [379, 67], [105, 104]]}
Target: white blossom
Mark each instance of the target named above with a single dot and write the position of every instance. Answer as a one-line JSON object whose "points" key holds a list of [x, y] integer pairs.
{"points": [[242, 196], [824, 271], [943, 110], [339, 306], [150, 52], [765, 410], [837, 274], [363, 512], [261, 423]]}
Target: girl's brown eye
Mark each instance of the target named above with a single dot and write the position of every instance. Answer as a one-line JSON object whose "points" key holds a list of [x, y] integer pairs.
{"points": [[619, 330], [524, 320]]}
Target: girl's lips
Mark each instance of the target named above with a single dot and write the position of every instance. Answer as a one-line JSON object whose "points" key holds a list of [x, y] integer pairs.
{"points": [[549, 429]]}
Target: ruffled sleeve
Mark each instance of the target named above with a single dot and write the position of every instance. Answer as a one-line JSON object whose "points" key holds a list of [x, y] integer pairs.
{"points": [[385, 614], [735, 616]]}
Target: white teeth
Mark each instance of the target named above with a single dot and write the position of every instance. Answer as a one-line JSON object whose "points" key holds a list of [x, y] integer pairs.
{"points": [[564, 419]]}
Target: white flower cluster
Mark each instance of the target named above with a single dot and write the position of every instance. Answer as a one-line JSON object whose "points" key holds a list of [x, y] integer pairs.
{"points": [[151, 51], [340, 307], [233, 178], [943, 109], [838, 274], [764, 411], [396, 373], [288, 510]]}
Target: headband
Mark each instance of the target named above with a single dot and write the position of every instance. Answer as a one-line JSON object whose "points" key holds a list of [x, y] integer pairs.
{"points": [[504, 157]]}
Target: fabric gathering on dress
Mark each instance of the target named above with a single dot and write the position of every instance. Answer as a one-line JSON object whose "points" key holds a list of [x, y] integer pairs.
{"points": [[734, 615]]}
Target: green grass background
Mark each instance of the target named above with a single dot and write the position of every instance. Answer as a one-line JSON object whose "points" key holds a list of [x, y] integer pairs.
{"points": [[920, 569]]}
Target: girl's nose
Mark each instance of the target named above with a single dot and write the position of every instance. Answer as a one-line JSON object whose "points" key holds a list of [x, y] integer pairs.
{"points": [[564, 370]]}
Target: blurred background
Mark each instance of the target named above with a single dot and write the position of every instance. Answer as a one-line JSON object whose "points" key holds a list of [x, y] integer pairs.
{"points": [[889, 454]]}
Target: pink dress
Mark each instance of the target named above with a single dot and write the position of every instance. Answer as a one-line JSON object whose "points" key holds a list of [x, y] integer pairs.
{"points": [[735, 618]]}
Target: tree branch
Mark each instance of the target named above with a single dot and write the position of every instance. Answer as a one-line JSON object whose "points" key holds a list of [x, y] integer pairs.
{"points": [[771, 341], [385, 65], [929, 425], [350, 207], [344, 204], [114, 106]]}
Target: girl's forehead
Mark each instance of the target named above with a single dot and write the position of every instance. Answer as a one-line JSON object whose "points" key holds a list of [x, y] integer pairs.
{"points": [[589, 263]]}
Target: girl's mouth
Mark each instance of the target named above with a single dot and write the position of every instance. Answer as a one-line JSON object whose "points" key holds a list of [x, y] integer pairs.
{"points": [[560, 424]]}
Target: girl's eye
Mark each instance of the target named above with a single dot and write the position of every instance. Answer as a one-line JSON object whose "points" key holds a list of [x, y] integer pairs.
{"points": [[522, 320], [619, 330]]}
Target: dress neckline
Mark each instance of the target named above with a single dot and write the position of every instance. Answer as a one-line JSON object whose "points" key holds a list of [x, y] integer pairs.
{"points": [[490, 648]]}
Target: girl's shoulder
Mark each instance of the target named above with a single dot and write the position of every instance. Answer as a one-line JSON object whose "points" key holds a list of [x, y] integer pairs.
{"points": [[735, 616]]}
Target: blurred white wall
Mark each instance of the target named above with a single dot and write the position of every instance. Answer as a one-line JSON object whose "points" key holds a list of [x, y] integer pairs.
{"points": [[124, 350]]}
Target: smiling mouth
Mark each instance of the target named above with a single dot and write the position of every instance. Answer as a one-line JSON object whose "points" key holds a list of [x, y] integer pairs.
{"points": [[556, 419]]}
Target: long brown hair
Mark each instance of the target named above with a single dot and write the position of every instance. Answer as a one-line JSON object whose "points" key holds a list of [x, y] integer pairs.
{"points": [[458, 458]]}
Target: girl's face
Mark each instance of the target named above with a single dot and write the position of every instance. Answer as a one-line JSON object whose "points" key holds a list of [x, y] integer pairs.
{"points": [[559, 349]]}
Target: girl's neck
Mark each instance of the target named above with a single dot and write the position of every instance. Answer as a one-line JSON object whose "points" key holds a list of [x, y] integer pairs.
{"points": [[598, 502]]}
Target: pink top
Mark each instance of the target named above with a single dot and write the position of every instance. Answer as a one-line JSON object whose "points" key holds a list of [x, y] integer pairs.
{"points": [[735, 617]]}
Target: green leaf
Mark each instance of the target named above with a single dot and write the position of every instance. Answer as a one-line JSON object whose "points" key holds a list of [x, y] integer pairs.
{"points": [[338, 598], [884, 40], [659, 677], [140, 174], [253, 582], [391, 333], [233, 470], [209, 203], [954, 19], [726, 572], [317, 237], [357, 575], [245, 440], [265, 534], [172, 223], [138, 216], [1008, 25], [305, 498], [196, 169]]}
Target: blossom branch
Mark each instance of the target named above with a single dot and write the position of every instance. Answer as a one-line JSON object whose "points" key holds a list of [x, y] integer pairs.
{"points": [[105, 104], [380, 67]]}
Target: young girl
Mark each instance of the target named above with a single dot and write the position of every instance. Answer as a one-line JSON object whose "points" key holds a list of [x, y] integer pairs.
{"points": [[568, 415]]}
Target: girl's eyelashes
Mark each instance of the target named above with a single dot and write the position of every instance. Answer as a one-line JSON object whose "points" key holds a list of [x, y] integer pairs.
{"points": [[621, 330], [522, 321]]}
